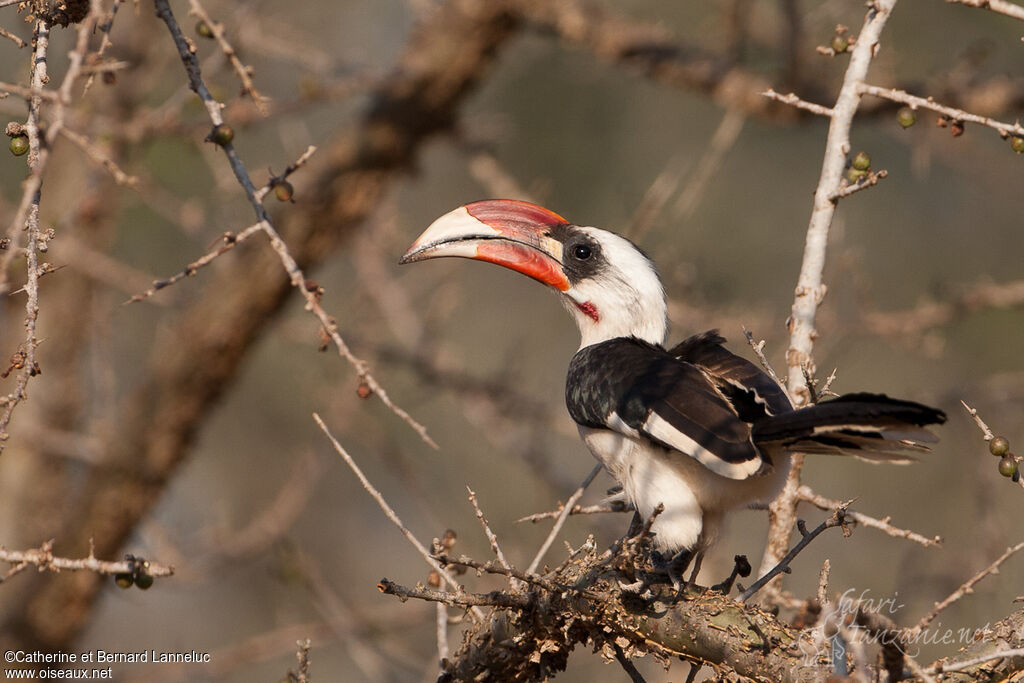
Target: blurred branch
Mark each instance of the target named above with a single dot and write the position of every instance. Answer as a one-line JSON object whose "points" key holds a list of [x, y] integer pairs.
{"points": [[244, 72], [296, 276], [196, 356], [978, 297]]}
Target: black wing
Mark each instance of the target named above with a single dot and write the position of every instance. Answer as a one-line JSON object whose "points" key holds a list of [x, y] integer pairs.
{"points": [[639, 389], [751, 391]]}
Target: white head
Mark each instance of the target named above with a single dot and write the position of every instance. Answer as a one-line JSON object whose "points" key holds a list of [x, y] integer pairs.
{"points": [[608, 285]]}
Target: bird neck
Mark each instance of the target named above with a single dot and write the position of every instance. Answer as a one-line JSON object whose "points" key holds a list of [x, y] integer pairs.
{"points": [[643, 318]]}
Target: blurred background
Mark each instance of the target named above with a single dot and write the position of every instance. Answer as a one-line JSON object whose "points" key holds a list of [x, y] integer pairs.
{"points": [[271, 535]]}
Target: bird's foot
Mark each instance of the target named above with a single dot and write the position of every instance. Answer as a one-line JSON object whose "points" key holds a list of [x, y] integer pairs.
{"points": [[674, 568], [741, 567]]}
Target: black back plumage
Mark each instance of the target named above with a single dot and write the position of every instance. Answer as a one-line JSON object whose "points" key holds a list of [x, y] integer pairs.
{"points": [[703, 401]]}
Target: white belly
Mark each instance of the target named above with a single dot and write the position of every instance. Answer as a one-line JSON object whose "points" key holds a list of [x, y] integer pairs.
{"points": [[694, 497]]}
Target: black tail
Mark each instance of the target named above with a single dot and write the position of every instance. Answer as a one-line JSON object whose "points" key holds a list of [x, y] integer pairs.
{"points": [[871, 426]]}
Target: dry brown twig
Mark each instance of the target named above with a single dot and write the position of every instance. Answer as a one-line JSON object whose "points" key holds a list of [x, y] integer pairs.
{"points": [[244, 72], [229, 241], [560, 521], [491, 537], [97, 156], [105, 27], [13, 38], [575, 510]]}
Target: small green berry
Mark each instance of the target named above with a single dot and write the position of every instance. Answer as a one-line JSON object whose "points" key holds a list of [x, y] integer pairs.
{"points": [[123, 580], [1017, 144], [906, 117], [839, 43], [143, 580], [203, 29], [861, 162], [222, 134], [19, 145], [284, 191], [855, 175], [1008, 465], [999, 446]]}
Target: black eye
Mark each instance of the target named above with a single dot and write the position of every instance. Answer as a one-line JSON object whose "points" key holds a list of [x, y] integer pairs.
{"points": [[581, 252]]}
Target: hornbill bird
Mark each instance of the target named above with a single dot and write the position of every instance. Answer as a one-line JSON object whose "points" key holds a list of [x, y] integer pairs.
{"points": [[694, 427]]}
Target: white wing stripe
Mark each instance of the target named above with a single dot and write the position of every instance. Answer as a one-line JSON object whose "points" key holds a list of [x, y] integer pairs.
{"points": [[663, 431]]}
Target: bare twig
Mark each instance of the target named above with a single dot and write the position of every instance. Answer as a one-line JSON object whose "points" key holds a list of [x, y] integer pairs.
{"points": [[504, 570], [758, 349], [229, 241], [953, 113], [244, 72], [13, 38], [838, 518], [491, 537], [105, 27], [97, 156], [805, 493], [792, 100], [302, 654], [388, 510], [576, 510], [973, 412], [44, 559], [566, 509], [965, 589], [283, 175], [870, 180]]}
